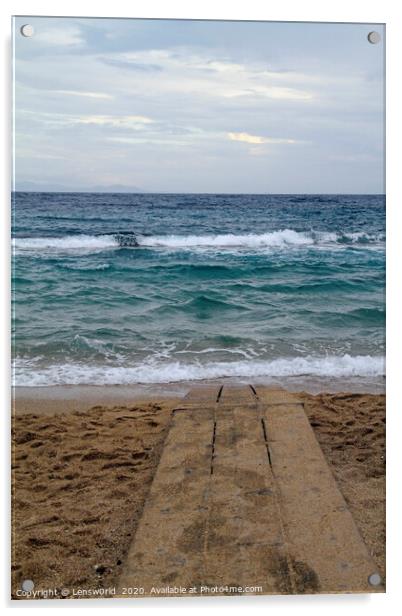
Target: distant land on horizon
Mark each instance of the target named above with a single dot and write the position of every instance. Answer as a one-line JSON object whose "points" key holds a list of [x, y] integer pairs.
{"points": [[120, 188], [29, 186]]}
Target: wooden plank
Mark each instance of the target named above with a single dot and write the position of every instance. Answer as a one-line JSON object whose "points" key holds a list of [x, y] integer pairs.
{"points": [[244, 543], [327, 551], [267, 395], [168, 545], [237, 395], [206, 395]]}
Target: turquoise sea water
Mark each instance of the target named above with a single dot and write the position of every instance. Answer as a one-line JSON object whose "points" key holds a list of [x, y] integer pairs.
{"points": [[150, 288]]}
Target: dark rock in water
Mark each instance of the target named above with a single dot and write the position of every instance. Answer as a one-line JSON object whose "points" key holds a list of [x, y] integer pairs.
{"points": [[126, 239]]}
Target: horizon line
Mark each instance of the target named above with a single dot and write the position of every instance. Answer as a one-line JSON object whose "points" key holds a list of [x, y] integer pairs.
{"points": [[137, 192]]}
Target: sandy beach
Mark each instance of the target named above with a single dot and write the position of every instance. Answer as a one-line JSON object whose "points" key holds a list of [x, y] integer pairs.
{"points": [[82, 472]]}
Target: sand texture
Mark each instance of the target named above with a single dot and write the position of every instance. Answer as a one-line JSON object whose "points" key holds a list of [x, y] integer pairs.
{"points": [[79, 483]]}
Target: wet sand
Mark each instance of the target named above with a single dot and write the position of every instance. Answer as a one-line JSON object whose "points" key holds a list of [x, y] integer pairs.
{"points": [[81, 476]]}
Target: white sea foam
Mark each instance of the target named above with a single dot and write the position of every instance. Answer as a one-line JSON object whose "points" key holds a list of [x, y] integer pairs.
{"points": [[275, 239], [286, 238], [27, 373], [87, 243]]}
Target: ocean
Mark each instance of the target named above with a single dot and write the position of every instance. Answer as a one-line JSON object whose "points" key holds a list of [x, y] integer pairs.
{"points": [[125, 289]]}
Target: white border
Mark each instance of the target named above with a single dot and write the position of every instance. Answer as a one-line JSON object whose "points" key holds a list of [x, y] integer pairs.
{"points": [[385, 11]]}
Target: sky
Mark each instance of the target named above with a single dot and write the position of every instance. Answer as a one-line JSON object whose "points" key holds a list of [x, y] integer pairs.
{"points": [[198, 106]]}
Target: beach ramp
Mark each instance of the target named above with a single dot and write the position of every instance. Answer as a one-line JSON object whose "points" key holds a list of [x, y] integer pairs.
{"points": [[243, 502]]}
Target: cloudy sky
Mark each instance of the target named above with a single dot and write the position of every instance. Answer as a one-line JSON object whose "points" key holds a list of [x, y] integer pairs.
{"points": [[198, 106]]}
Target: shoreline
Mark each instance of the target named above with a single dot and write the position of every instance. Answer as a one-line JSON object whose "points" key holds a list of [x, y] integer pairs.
{"points": [[77, 397]]}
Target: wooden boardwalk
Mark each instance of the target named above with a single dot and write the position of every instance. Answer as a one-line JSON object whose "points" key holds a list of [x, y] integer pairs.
{"points": [[243, 498]]}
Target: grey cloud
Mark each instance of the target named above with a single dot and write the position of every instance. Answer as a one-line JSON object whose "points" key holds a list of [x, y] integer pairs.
{"points": [[196, 82], [131, 66]]}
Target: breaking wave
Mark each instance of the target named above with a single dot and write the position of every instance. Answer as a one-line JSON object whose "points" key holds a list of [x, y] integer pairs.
{"points": [[282, 239], [27, 372]]}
